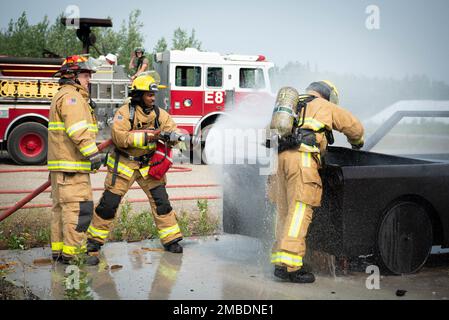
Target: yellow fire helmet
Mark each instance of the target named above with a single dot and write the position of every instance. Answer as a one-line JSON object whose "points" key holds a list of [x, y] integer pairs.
{"points": [[326, 89], [147, 81]]}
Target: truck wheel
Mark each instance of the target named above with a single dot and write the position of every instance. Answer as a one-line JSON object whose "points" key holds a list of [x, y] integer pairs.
{"points": [[27, 143], [404, 238], [199, 149]]}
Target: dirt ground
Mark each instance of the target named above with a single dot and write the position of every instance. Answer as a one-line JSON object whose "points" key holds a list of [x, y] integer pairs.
{"points": [[8, 291]]}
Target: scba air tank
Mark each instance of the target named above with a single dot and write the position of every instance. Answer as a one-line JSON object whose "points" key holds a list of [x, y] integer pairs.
{"points": [[284, 112]]}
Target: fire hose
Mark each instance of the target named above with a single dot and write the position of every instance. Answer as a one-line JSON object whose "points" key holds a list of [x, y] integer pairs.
{"points": [[40, 189], [9, 210]]}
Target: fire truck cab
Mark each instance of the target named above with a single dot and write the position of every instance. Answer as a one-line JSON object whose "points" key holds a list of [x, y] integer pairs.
{"points": [[204, 85]]}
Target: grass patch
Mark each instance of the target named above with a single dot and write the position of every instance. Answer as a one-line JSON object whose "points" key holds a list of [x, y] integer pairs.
{"points": [[184, 222], [77, 283], [132, 226], [205, 225], [25, 229], [30, 228]]}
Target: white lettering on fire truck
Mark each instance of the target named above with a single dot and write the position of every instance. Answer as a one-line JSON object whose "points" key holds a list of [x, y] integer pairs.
{"points": [[214, 97]]}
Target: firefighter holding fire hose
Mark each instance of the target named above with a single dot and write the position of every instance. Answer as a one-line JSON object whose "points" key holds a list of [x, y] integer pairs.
{"points": [[304, 124], [140, 156], [72, 155]]}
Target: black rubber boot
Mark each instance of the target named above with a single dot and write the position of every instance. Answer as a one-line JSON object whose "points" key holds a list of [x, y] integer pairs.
{"points": [[281, 272], [93, 246], [301, 276], [65, 260], [92, 260], [56, 257], [173, 247]]}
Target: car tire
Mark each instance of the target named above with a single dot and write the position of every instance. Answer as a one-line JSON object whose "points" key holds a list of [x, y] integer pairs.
{"points": [[404, 238]]}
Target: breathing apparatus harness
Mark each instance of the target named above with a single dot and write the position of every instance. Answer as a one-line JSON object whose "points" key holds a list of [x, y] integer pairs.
{"points": [[299, 135], [161, 147]]}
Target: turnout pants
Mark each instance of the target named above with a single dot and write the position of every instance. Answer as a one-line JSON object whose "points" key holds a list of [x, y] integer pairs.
{"points": [[105, 211], [295, 189], [71, 212]]}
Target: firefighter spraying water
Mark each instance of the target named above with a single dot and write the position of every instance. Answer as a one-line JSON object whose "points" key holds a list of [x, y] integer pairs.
{"points": [[141, 156]]}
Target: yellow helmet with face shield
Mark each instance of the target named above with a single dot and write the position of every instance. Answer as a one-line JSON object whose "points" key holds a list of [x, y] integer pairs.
{"points": [[147, 81]]}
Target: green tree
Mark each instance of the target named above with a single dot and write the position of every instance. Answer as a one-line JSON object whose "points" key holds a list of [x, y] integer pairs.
{"points": [[122, 42], [161, 45], [182, 40], [131, 37], [24, 40], [62, 40], [108, 41]]}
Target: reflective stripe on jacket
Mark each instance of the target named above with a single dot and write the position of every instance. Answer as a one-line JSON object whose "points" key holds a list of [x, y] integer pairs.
{"points": [[72, 130], [323, 115], [133, 143]]}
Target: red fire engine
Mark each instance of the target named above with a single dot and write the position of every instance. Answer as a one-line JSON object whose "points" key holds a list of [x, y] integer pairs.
{"points": [[204, 85], [201, 87]]}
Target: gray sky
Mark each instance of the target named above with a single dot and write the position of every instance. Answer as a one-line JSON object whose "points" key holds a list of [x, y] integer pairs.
{"points": [[413, 37]]}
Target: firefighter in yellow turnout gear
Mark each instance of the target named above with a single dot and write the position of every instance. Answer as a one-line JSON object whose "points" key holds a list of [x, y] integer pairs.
{"points": [[130, 162], [72, 155], [296, 188]]}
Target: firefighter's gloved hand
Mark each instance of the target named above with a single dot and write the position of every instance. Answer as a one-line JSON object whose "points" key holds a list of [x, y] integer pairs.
{"points": [[267, 143], [96, 160], [357, 146], [151, 137], [173, 136]]}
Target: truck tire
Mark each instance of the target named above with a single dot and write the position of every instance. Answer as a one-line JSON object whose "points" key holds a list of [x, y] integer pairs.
{"points": [[199, 149], [405, 238], [27, 144]]}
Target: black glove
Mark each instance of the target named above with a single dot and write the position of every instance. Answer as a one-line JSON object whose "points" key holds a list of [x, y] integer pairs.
{"points": [[96, 160], [357, 146], [172, 136], [267, 143]]}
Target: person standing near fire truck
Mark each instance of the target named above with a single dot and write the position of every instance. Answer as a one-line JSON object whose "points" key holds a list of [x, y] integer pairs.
{"points": [[72, 155], [135, 147], [139, 63], [297, 188]]}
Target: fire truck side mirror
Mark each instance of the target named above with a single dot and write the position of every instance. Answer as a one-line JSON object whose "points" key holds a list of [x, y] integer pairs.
{"points": [[157, 57]]}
